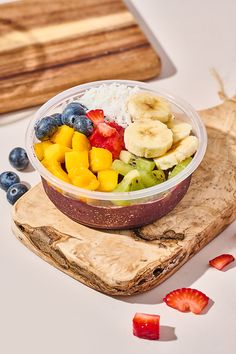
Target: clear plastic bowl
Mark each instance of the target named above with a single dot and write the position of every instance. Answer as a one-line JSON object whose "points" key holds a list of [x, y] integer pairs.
{"points": [[113, 210]]}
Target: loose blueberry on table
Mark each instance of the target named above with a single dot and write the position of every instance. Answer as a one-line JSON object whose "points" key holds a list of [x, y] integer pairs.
{"points": [[7, 179], [18, 158], [15, 192]]}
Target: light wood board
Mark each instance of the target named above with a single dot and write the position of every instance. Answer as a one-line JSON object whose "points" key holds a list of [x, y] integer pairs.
{"points": [[129, 262]]}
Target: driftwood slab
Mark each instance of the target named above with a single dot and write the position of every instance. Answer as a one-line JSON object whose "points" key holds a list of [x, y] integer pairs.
{"points": [[129, 262], [49, 46]]}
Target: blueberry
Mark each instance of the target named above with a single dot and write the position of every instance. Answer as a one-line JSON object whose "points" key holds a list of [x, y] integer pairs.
{"points": [[57, 118], [15, 192], [7, 179], [73, 108], [18, 158], [45, 128], [83, 125]]}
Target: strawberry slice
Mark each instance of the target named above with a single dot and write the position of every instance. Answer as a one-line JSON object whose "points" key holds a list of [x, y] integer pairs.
{"points": [[96, 116], [221, 261], [146, 326], [105, 130], [187, 299]]}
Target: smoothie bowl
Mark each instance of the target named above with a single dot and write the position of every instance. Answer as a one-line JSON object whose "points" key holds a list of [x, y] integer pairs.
{"points": [[115, 154]]}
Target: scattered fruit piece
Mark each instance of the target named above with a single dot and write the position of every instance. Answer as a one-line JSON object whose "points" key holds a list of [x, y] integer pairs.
{"points": [[63, 136], [146, 326], [7, 179], [96, 116], [45, 128], [148, 138], [72, 109], [100, 159], [108, 180], [186, 299], [15, 192], [76, 159], [83, 125], [80, 142], [221, 261], [144, 106], [18, 158], [56, 152], [179, 167], [85, 179]]}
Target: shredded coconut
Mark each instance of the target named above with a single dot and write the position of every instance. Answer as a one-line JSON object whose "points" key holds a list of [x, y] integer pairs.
{"points": [[112, 99]]}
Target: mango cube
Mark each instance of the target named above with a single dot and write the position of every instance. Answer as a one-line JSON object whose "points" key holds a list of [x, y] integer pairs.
{"points": [[100, 159], [108, 180], [40, 148], [75, 159], [56, 152], [63, 136], [86, 179], [55, 168], [80, 142]]}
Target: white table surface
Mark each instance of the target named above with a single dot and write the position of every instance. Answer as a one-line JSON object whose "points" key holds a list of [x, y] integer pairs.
{"points": [[44, 311]]}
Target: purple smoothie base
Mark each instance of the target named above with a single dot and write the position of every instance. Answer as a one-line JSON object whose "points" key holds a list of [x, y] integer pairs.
{"points": [[116, 217]]}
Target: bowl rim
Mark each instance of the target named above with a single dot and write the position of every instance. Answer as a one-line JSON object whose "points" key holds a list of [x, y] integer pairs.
{"points": [[143, 193]]}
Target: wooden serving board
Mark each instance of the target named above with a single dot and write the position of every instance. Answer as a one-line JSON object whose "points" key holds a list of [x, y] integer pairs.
{"points": [[49, 46], [129, 262]]}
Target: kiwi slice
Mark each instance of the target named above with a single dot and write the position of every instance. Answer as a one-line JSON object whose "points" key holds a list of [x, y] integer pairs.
{"points": [[145, 164], [121, 167], [179, 167], [127, 157], [131, 182], [159, 175], [151, 178]]}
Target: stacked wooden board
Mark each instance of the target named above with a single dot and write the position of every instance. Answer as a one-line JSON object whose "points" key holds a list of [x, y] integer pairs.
{"points": [[49, 46]]}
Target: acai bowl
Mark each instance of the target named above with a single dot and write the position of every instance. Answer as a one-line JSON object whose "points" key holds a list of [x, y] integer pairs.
{"points": [[115, 154]]}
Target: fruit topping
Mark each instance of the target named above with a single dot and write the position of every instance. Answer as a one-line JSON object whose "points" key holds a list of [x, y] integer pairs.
{"points": [[40, 148], [15, 192], [100, 159], [179, 152], [57, 117], [55, 168], [146, 326], [63, 136], [76, 159], [187, 299], [131, 182], [80, 142], [72, 109], [105, 130], [148, 138], [56, 152], [147, 106], [179, 167], [108, 180], [83, 125], [121, 167], [221, 261], [85, 179], [7, 179], [18, 158], [179, 129], [45, 128], [96, 116]]}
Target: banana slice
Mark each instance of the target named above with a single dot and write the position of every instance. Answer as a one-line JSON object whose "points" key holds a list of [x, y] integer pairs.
{"points": [[148, 138], [179, 129], [183, 149], [144, 105]]}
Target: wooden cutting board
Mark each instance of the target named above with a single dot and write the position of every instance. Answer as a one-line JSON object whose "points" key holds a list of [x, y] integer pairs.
{"points": [[49, 46], [129, 262]]}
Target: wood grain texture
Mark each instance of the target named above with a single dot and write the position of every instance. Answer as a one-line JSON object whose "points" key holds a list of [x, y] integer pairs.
{"points": [[129, 262], [46, 47]]}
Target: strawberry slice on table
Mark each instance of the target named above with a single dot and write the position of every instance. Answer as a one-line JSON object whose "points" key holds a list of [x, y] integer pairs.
{"points": [[146, 326], [221, 261], [96, 116], [187, 299]]}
